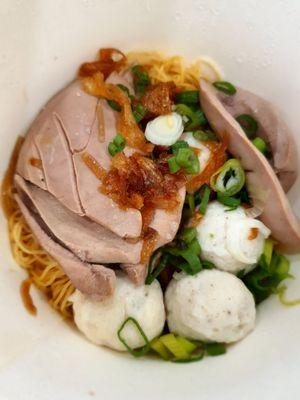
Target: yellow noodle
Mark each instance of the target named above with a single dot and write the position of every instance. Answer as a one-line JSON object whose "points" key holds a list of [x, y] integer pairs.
{"points": [[44, 271], [163, 69]]}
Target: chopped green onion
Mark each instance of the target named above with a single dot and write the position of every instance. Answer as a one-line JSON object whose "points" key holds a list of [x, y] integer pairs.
{"points": [[215, 349], [139, 112], [194, 246], [158, 346], [112, 149], [119, 141], [188, 160], [136, 353], [266, 277], [196, 118], [248, 124], [173, 165], [193, 264], [268, 251], [204, 136], [192, 358], [176, 348], [186, 344], [229, 179], [141, 79], [205, 199], [114, 105], [185, 111], [208, 265], [282, 297], [231, 202], [225, 87], [153, 273], [260, 144], [126, 90], [116, 145], [188, 234], [187, 97], [180, 144], [190, 200]]}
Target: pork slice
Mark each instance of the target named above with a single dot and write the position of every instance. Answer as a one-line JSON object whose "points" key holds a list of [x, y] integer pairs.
{"points": [[166, 224], [264, 187], [24, 167], [76, 111], [271, 127], [86, 239], [102, 209], [57, 161], [97, 206], [96, 281]]}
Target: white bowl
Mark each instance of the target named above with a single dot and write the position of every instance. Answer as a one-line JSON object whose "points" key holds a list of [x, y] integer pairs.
{"points": [[42, 44]]}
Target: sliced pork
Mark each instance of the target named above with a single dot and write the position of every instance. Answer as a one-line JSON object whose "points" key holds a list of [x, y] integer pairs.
{"points": [[71, 122], [63, 193], [264, 187], [86, 239], [271, 127], [166, 224], [96, 281]]}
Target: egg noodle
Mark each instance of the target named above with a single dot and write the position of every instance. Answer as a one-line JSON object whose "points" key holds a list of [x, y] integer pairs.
{"points": [[43, 270]]}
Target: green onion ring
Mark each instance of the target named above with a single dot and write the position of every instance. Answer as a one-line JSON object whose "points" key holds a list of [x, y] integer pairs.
{"points": [[248, 123], [229, 179], [225, 87], [136, 353]]}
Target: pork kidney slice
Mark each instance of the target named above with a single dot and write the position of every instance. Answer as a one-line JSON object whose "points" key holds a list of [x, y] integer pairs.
{"points": [[265, 189]]}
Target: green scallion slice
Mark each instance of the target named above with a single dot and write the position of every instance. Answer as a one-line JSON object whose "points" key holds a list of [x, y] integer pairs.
{"points": [[192, 265], [187, 97], [195, 118], [186, 344], [188, 234], [126, 90], [190, 200], [198, 119], [139, 112], [204, 136], [154, 272], [180, 144], [207, 264], [192, 358], [114, 105], [173, 165], [282, 297], [215, 349], [260, 144], [187, 159], [119, 141], [194, 247], [158, 346], [176, 348], [229, 179], [142, 351], [225, 87], [231, 202], [204, 199], [116, 145], [248, 123], [112, 149], [141, 79]]}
